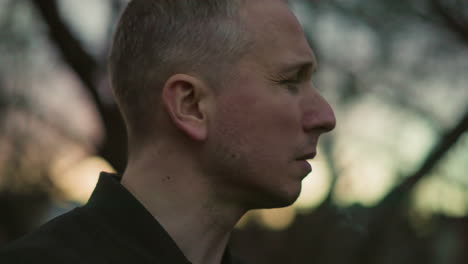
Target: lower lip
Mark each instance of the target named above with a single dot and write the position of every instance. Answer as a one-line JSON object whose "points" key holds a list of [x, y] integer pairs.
{"points": [[305, 165]]}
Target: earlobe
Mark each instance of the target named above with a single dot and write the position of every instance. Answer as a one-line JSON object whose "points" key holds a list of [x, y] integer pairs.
{"points": [[184, 96]]}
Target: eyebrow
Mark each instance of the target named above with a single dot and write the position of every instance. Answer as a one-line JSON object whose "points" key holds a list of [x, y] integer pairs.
{"points": [[310, 65]]}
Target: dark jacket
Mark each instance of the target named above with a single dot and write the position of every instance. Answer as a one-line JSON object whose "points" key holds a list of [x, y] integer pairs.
{"points": [[113, 227]]}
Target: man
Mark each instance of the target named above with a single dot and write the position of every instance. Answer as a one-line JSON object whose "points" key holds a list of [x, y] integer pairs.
{"points": [[221, 117]]}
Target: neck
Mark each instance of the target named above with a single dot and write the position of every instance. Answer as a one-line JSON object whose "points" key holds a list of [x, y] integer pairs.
{"points": [[184, 203]]}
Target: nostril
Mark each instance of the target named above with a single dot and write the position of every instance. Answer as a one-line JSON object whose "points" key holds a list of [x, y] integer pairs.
{"points": [[330, 122]]}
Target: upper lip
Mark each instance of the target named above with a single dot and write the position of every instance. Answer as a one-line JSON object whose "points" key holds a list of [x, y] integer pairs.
{"points": [[307, 156]]}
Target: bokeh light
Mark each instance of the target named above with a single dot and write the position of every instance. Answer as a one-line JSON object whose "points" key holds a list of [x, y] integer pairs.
{"points": [[78, 181]]}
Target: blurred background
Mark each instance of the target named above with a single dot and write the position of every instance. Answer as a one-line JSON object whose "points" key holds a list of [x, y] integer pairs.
{"points": [[390, 184]]}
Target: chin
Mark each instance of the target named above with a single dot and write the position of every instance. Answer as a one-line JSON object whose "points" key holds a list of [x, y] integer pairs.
{"points": [[284, 202], [276, 200]]}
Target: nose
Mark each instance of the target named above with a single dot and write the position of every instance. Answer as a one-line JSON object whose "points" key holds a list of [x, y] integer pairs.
{"points": [[317, 113]]}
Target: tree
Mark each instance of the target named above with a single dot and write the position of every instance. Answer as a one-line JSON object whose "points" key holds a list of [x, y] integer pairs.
{"points": [[328, 229]]}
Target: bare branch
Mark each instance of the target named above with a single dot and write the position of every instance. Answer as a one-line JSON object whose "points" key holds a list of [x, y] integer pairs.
{"points": [[457, 23], [70, 47], [86, 67], [388, 212]]}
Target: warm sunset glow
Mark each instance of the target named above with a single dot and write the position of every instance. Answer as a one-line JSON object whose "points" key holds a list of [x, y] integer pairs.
{"points": [[315, 186], [363, 183], [78, 181], [277, 219]]}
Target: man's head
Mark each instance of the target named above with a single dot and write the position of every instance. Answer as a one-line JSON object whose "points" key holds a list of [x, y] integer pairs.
{"points": [[251, 119], [156, 39]]}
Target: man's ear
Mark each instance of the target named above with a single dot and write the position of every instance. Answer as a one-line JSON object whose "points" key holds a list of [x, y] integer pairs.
{"points": [[185, 98]]}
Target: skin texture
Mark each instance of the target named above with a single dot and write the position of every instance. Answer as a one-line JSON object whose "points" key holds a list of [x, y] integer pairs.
{"points": [[221, 151], [262, 123]]}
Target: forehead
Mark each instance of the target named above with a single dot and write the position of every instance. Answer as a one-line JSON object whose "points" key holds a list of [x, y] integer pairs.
{"points": [[277, 36]]}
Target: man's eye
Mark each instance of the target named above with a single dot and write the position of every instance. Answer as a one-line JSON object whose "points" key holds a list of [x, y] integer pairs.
{"points": [[291, 84]]}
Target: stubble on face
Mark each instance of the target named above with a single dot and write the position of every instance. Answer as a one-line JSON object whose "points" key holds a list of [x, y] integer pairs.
{"points": [[256, 132]]}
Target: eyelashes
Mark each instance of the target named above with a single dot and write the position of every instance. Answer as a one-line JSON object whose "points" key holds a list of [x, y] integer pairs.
{"points": [[291, 84]]}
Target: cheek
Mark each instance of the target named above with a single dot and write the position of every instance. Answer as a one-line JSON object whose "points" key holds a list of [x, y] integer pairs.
{"points": [[267, 129], [251, 145]]}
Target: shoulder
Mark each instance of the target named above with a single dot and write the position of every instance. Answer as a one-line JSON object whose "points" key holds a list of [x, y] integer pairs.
{"points": [[24, 254], [64, 239]]}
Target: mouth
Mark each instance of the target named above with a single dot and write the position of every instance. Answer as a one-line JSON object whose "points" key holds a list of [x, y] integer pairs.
{"points": [[305, 166], [307, 156]]}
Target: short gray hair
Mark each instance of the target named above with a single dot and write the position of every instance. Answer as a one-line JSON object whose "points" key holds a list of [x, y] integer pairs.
{"points": [[158, 38]]}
